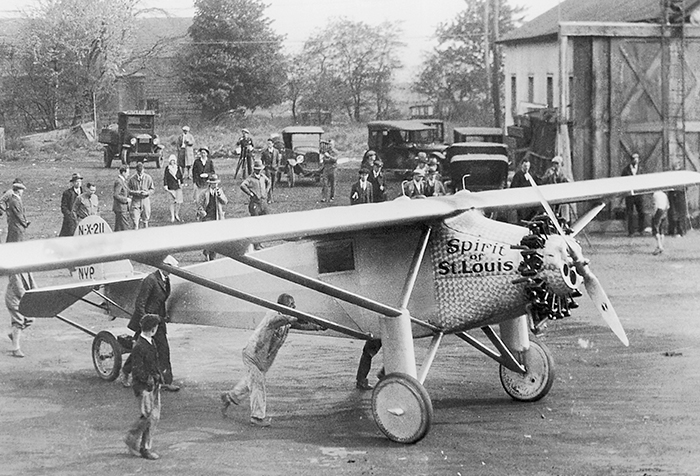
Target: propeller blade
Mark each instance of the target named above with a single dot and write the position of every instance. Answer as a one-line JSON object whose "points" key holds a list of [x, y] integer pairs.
{"points": [[545, 204], [586, 219], [603, 304], [590, 281]]}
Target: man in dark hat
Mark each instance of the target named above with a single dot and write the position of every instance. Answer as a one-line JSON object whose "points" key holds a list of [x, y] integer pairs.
{"points": [[245, 145], [361, 191], [271, 159], [16, 220], [210, 206], [201, 169], [67, 201]]}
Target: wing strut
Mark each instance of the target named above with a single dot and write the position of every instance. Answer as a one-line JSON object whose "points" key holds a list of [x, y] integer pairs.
{"points": [[208, 283], [503, 356], [325, 288]]}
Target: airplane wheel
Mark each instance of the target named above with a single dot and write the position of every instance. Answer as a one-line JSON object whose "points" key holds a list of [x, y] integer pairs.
{"points": [[402, 408], [539, 378], [106, 355]]}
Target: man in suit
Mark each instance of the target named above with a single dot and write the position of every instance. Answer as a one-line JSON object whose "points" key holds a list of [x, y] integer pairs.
{"points": [[153, 293], [635, 201], [520, 181], [361, 191], [16, 220], [270, 157], [67, 201], [141, 187], [416, 187], [210, 207], [376, 178], [121, 200]]}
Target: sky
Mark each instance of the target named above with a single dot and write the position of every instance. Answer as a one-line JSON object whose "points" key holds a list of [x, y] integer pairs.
{"points": [[299, 19]]}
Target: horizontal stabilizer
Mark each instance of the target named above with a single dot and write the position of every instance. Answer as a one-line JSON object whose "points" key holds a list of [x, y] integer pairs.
{"points": [[49, 301]]}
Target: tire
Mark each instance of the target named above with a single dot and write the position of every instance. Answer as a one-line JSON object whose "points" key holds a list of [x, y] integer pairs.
{"points": [[539, 376], [106, 356], [402, 408], [124, 156], [108, 156]]}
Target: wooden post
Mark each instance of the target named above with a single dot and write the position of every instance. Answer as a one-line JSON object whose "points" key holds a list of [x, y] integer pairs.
{"points": [[2, 140]]}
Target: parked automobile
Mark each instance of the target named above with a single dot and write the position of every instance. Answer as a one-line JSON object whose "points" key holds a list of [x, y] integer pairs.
{"points": [[398, 143], [477, 166], [132, 139], [302, 149]]}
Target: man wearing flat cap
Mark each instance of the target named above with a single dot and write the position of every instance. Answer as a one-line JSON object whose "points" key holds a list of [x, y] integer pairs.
{"points": [[256, 187], [416, 187], [16, 220], [67, 201], [153, 293], [245, 145]]}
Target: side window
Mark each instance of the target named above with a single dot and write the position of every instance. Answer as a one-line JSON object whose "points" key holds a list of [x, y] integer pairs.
{"points": [[335, 256]]}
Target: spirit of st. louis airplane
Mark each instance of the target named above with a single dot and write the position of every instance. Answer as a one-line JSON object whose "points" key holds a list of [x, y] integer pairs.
{"points": [[396, 270]]}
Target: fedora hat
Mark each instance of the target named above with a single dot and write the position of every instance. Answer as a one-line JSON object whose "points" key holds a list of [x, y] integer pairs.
{"points": [[213, 178], [18, 184], [76, 177], [258, 165]]}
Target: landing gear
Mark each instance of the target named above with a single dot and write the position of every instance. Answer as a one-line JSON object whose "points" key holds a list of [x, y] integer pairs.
{"points": [[402, 408], [538, 378], [106, 356]]}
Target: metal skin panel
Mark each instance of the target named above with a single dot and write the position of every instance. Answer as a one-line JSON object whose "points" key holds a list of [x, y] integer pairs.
{"points": [[474, 267]]}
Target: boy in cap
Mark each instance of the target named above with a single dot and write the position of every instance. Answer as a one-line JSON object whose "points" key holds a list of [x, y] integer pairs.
{"points": [[361, 191], [67, 201], [147, 381], [256, 186]]}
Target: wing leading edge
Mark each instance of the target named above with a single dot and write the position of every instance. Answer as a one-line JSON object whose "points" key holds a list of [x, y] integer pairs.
{"points": [[237, 234]]}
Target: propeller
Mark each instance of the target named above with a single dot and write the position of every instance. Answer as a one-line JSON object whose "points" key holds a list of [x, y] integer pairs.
{"points": [[592, 284]]}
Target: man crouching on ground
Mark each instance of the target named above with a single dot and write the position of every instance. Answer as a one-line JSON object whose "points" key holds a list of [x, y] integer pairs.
{"points": [[146, 384], [258, 356]]}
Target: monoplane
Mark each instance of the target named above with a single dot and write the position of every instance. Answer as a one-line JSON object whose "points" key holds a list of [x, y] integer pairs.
{"points": [[397, 271]]}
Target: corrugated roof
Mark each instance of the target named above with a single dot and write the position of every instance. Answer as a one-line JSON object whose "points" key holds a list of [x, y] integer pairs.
{"points": [[632, 11]]}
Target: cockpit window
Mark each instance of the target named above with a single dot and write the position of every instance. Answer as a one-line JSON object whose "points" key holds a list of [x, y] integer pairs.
{"points": [[335, 256]]}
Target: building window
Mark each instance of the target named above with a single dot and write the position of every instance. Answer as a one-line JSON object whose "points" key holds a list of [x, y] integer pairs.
{"points": [[531, 89], [335, 256], [152, 105], [550, 91], [513, 95]]}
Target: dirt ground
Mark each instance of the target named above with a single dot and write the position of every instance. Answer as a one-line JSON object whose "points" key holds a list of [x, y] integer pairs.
{"points": [[612, 410]]}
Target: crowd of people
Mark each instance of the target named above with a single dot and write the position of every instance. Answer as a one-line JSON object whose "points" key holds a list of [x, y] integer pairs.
{"points": [[148, 370]]}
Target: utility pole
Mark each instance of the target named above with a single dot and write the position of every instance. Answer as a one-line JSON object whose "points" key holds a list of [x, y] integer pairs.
{"points": [[496, 69]]}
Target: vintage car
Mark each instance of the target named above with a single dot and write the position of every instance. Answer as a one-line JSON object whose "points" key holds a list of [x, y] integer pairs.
{"points": [[302, 149], [132, 139], [398, 143], [478, 134], [477, 166]]}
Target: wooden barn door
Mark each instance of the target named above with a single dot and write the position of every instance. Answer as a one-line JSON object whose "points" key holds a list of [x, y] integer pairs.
{"points": [[636, 103]]}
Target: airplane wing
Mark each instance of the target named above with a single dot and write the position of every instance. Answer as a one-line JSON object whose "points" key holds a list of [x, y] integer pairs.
{"points": [[51, 300], [235, 235]]}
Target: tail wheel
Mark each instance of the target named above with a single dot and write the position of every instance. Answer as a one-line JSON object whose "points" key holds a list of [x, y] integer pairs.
{"points": [[106, 356], [402, 408], [124, 156], [538, 377]]}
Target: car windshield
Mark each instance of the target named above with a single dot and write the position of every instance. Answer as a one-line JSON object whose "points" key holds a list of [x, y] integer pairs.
{"points": [[140, 123], [421, 137]]}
